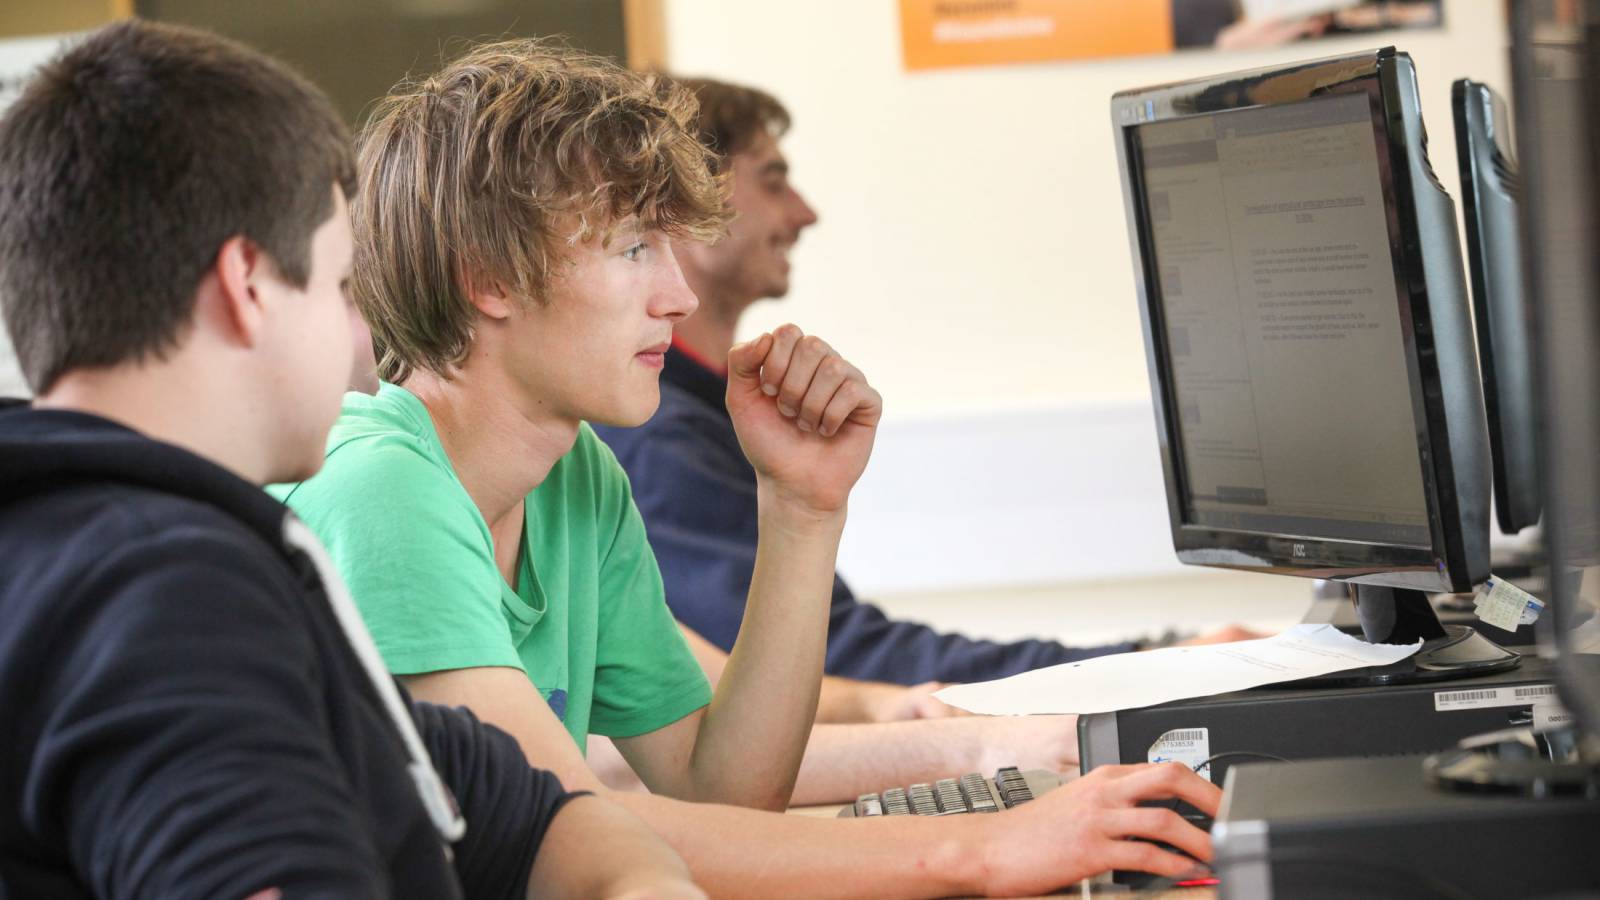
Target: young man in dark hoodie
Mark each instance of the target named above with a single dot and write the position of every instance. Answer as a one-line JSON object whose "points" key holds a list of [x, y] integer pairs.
{"points": [[191, 704]]}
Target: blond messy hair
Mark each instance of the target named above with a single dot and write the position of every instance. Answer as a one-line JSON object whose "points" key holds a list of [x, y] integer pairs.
{"points": [[490, 171]]}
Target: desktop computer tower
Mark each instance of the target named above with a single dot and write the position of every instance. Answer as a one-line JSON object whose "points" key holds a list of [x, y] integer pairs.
{"points": [[1374, 828], [1299, 723]]}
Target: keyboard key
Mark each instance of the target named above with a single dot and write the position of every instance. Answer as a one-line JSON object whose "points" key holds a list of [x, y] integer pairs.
{"points": [[1013, 787], [895, 802], [922, 802], [869, 805], [948, 794], [979, 798]]}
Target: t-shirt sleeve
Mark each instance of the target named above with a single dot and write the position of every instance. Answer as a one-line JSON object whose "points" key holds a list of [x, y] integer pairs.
{"points": [[508, 805], [415, 554], [645, 675]]}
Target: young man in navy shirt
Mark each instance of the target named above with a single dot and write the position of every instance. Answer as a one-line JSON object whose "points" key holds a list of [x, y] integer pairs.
{"points": [[692, 484]]}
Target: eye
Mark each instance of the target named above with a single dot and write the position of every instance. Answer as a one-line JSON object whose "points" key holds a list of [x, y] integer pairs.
{"points": [[633, 253]]}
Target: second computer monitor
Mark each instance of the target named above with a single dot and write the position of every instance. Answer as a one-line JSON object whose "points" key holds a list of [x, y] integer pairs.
{"points": [[1489, 191], [1309, 337]]}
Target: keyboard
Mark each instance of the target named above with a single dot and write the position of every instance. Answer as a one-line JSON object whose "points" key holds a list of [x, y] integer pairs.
{"points": [[970, 793]]}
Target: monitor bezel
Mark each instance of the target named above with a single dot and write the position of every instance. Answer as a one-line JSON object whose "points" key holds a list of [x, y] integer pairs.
{"points": [[1440, 566]]}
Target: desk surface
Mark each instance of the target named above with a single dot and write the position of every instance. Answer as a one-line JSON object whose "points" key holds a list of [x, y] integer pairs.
{"points": [[1097, 612]]}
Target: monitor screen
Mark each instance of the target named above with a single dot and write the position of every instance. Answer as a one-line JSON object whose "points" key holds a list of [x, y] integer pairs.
{"points": [[1281, 313]]}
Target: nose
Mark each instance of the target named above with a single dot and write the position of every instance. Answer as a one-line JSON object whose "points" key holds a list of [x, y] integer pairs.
{"points": [[672, 299], [803, 215]]}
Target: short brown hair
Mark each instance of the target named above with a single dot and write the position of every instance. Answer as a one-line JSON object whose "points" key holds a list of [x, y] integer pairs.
{"points": [[125, 164], [731, 115], [489, 170]]}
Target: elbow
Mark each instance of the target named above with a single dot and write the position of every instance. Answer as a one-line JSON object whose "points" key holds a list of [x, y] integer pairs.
{"points": [[773, 801], [750, 794]]}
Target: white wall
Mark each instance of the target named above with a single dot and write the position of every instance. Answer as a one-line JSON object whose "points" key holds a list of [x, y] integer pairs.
{"points": [[972, 253], [972, 256]]}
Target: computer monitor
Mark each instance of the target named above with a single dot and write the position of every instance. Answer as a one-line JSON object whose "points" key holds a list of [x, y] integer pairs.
{"points": [[1310, 341], [1556, 80], [1489, 190]]}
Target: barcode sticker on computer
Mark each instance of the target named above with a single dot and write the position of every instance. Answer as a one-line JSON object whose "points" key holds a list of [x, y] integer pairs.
{"points": [[1485, 698], [1190, 746]]}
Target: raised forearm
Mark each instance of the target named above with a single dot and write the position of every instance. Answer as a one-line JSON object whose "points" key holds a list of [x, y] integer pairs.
{"points": [[751, 740]]}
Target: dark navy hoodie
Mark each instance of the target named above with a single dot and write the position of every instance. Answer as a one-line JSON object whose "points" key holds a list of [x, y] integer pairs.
{"points": [[180, 712]]}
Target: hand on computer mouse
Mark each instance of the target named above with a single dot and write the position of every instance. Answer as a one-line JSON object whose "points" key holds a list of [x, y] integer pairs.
{"points": [[1084, 828]]}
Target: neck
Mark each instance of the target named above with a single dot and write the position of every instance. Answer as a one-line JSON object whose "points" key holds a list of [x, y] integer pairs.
{"points": [[175, 402], [499, 450]]}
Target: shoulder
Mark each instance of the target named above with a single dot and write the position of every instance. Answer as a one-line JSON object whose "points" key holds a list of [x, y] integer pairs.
{"points": [[130, 520], [133, 559], [390, 509], [378, 445]]}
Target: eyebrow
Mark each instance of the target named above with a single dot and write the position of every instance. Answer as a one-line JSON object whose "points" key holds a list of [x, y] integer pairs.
{"points": [[776, 167]]}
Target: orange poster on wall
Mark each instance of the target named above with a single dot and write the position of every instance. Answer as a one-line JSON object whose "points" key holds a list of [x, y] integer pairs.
{"points": [[945, 33], [939, 34]]}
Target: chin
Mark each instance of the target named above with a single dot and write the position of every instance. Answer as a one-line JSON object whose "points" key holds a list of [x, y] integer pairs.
{"points": [[628, 415], [628, 410], [629, 420]]}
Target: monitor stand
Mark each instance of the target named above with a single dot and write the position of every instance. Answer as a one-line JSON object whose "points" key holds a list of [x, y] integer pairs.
{"points": [[1402, 616]]}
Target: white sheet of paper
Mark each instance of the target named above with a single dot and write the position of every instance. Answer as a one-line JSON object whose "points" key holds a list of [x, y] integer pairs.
{"points": [[1132, 680]]}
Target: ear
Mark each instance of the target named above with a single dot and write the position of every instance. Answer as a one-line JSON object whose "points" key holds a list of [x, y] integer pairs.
{"points": [[489, 297], [240, 269]]}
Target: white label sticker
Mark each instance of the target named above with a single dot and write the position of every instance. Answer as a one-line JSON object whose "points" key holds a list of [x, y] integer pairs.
{"points": [[1506, 606], [1190, 746], [1550, 715], [1484, 698]]}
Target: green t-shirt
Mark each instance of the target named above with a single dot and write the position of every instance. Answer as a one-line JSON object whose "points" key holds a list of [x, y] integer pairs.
{"points": [[587, 621]]}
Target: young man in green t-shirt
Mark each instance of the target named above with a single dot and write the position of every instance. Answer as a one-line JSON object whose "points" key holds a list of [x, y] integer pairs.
{"points": [[514, 230]]}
